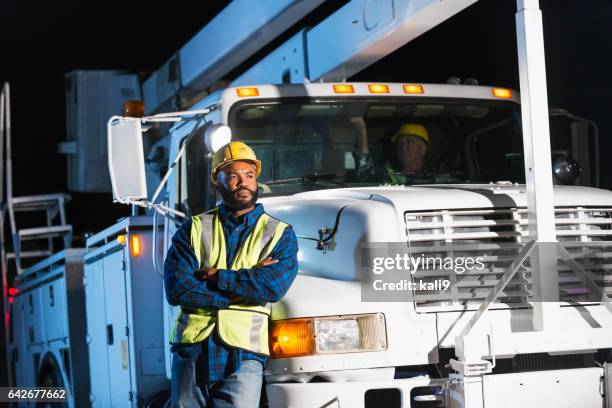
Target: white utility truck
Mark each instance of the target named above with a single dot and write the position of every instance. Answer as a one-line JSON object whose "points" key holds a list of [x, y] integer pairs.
{"points": [[332, 343], [517, 332]]}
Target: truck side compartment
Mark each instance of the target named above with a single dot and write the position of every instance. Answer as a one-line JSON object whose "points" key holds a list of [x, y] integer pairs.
{"points": [[91, 320]]}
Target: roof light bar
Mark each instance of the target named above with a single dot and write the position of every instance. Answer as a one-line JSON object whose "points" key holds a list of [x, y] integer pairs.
{"points": [[413, 89], [243, 92], [378, 88], [502, 93], [344, 88]]}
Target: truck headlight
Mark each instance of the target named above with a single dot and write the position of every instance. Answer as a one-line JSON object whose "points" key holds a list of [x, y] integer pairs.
{"points": [[337, 335], [328, 335]]}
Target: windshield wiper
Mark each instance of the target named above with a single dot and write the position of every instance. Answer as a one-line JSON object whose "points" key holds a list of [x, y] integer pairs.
{"points": [[308, 178]]}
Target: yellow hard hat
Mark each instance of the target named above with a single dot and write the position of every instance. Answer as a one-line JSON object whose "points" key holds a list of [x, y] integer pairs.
{"points": [[412, 129], [231, 152]]}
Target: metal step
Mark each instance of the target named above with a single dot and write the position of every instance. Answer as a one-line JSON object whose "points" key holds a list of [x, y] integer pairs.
{"points": [[29, 234], [30, 254], [39, 202]]}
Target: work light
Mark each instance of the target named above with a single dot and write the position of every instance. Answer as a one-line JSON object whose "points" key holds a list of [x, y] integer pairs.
{"points": [[217, 136], [328, 335]]}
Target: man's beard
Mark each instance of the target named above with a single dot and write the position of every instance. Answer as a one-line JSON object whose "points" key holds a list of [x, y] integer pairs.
{"points": [[230, 200]]}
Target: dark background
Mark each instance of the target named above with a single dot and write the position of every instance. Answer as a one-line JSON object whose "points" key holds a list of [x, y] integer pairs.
{"points": [[42, 42]]}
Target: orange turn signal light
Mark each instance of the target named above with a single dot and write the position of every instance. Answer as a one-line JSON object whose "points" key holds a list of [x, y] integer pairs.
{"points": [[291, 338], [242, 92], [502, 93], [344, 88], [133, 109], [378, 88], [135, 245], [413, 89]]}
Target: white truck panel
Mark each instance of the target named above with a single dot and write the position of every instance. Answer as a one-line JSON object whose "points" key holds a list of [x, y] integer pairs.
{"points": [[555, 388], [502, 321], [338, 394]]}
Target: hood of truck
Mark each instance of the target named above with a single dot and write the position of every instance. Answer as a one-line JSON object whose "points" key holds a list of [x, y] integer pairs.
{"points": [[437, 197], [348, 217]]}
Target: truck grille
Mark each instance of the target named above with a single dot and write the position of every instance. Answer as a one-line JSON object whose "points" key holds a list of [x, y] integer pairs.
{"points": [[497, 235]]}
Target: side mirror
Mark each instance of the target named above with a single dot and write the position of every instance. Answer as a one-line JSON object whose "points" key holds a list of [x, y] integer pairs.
{"points": [[217, 136], [566, 170], [126, 163]]}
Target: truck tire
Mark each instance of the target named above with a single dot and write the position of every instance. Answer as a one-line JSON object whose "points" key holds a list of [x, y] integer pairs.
{"points": [[50, 378], [159, 400], [50, 375]]}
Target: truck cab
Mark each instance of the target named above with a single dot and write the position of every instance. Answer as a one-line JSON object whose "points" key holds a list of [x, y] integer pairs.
{"points": [[309, 135], [329, 168]]}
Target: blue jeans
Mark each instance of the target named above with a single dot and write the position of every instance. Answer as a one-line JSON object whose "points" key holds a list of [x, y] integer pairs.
{"points": [[241, 389]]}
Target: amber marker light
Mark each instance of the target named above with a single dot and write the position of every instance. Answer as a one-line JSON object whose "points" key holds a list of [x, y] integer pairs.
{"points": [[291, 338], [243, 92], [413, 89], [133, 109], [502, 93], [135, 245], [378, 88], [344, 88], [121, 239]]}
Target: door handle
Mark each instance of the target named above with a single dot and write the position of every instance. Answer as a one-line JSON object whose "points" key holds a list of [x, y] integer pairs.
{"points": [[110, 339]]}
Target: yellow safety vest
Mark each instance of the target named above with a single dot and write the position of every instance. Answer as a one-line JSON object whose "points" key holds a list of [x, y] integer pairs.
{"points": [[243, 326], [393, 176]]}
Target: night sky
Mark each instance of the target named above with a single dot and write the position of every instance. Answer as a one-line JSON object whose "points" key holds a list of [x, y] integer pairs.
{"points": [[42, 42]]}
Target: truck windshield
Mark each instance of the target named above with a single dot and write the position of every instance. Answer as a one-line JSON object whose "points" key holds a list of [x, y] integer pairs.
{"points": [[308, 144]]}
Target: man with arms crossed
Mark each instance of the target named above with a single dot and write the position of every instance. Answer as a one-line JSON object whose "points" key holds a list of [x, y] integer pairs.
{"points": [[222, 269]]}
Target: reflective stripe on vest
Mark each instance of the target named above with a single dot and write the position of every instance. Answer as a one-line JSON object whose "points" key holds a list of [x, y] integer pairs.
{"points": [[243, 326]]}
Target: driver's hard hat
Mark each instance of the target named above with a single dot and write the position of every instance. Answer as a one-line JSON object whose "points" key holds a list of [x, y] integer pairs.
{"points": [[411, 129], [231, 152]]}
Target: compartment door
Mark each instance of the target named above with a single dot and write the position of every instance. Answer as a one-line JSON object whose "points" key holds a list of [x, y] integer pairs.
{"points": [[116, 329], [32, 317], [96, 333], [54, 309]]}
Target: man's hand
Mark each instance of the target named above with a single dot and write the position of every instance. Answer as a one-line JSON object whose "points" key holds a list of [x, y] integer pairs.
{"points": [[206, 273], [266, 262]]}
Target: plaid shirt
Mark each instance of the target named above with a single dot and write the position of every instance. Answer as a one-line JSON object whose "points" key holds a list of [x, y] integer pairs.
{"points": [[267, 284]]}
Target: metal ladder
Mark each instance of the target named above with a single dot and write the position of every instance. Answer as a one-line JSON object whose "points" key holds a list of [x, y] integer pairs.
{"points": [[51, 204]]}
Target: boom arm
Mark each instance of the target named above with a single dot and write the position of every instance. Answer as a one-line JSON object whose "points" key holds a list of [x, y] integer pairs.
{"points": [[363, 32], [235, 34]]}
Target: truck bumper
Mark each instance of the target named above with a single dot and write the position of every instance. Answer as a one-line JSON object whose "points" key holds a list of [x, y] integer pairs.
{"points": [[354, 394], [579, 387]]}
